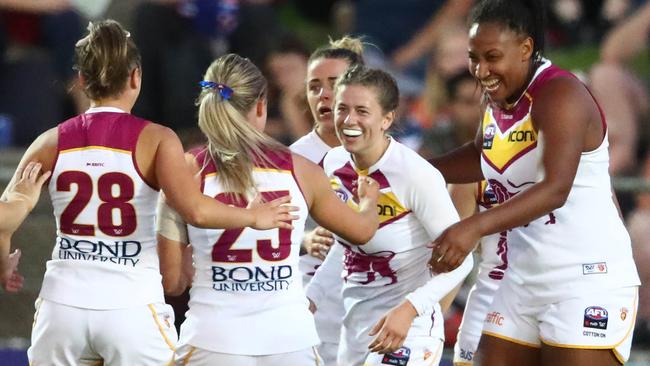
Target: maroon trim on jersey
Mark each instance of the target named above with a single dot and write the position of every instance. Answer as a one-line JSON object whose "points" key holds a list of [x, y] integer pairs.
{"points": [[107, 129], [277, 159], [113, 130], [348, 176], [603, 120], [380, 178], [137, 167], [512, 160], [507, 118]]}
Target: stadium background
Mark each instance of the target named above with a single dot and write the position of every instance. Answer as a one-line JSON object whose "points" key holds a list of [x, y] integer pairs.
{"points": [[178, 38]]}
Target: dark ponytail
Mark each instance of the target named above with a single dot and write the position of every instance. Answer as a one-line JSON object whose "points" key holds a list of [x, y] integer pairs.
{"points": [[527, 17]]}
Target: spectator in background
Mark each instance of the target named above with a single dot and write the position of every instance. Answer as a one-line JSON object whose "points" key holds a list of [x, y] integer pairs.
{"points": [[179, 39], [449, 58], [419, 23], [624, 98], [286, 67], [580, 22], [36, 42], [459, 118]]}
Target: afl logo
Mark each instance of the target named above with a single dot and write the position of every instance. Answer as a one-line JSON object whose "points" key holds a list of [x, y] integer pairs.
{"points": [[490, 130], [488, 135], [596, 313], [595, 317], [342, 195]]}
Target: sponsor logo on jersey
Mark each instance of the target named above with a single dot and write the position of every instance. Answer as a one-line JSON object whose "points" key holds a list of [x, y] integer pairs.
{"points": [[466, 355], [503, 149], [374, 266], [519, 136], [595, 317], [122, 252], [93, 164], [589, 333], [495, 318], [251, 278], [398, 358], [388, 206], [594, 268]]}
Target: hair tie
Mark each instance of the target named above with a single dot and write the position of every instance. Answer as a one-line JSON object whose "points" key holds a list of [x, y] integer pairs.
{"points": [[225, 91]]}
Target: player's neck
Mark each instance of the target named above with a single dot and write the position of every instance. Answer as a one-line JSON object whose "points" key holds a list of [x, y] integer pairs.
{"points": [[115, 103]]}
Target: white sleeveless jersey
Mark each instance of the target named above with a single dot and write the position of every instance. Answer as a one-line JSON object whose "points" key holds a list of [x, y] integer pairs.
{"points": [[582, 246], [105, 251], [414, 208], [247, 296]]}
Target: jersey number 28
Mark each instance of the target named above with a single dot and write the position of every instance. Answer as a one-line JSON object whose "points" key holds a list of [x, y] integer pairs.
{"points": [[110, 203]]}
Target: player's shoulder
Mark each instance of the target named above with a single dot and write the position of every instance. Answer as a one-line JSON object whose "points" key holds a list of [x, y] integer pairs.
{"points": [[410, 167], [310, 146], [335, 157]]}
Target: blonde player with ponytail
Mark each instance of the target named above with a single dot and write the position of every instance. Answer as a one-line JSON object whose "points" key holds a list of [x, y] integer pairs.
{"points": [[247, 305]]}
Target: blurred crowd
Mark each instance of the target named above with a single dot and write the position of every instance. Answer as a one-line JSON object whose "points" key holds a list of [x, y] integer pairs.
{"points": [[423, 43]]}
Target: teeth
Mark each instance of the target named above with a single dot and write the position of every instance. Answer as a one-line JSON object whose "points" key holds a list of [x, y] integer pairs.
{"points": [[351, 133], [491, 84]]}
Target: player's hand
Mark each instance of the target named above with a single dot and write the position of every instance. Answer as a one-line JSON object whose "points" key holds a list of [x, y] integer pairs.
{"points": [[27, 185], [367, 188], [276, 213], [392, 328], [318, 242], [12, 281], [453, 245]]}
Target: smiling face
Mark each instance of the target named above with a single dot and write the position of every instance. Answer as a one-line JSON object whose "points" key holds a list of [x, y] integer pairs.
{"points": [[321, 76], [500, 59], [361, 123]]}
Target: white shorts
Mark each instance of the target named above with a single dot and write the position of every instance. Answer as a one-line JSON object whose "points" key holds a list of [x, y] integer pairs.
{"points": [[328, 352], [67, 335], [469, 333], [417, 351], [423, 338], [189, 355], [599, 320]]}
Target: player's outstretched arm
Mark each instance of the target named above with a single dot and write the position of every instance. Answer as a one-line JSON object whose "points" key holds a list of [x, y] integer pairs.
{"points": [[183, 194], [330, 212]]}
